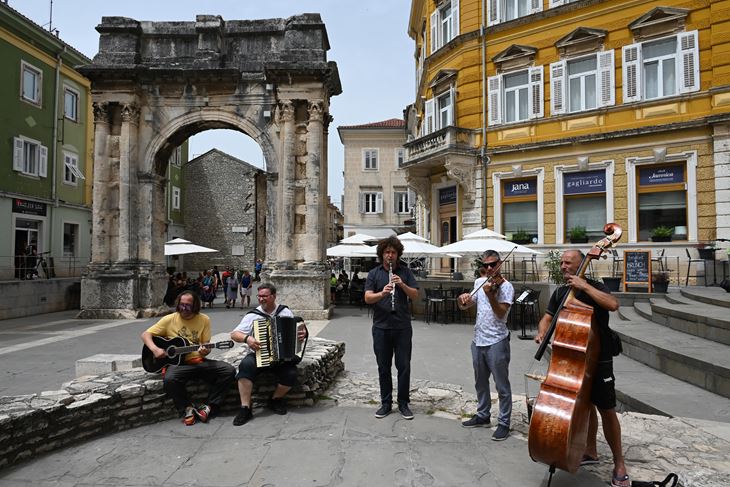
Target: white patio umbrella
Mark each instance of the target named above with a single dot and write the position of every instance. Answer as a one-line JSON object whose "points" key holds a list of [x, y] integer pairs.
{"points": [[180, 246], [484, 233], [348, 250], [358, 238], [477, 246]]}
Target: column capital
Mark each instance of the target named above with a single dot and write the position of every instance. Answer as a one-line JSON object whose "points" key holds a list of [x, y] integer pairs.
{"points": [[286, 111], [462, 171], [101, 112], [316, 111], [130, 113], [421, 185]]}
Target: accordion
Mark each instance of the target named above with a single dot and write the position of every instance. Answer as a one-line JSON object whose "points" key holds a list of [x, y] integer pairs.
{"points": [[278, 338]]}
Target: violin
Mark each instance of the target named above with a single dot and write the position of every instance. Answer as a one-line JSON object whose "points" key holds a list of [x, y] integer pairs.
{"points": [[559, 422], [493, 281]]}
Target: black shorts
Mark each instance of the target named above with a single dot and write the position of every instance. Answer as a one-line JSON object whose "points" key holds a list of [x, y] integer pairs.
{"points": [[603, 391], [286, 374]]}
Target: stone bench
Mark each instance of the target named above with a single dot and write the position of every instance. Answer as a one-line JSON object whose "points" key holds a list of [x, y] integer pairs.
{"points": [[94, 405]]}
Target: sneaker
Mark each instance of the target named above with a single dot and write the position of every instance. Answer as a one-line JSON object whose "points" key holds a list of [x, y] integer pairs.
{"points": [[243, 416], [383, 411], [405, 411], [189, 417], [203, 413], [475, 422], [278, 405], [501, 433]]}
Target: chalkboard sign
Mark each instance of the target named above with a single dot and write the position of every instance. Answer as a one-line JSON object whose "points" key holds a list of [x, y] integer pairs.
{"points": [[637, 268]]}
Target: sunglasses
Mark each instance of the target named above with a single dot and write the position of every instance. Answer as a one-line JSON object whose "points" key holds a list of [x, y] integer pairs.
{"points": [[185, 307], [490, 264], [260, 296]]}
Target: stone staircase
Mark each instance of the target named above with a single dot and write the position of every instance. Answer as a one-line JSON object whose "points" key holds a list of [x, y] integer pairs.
{"points": [[676, 358]]}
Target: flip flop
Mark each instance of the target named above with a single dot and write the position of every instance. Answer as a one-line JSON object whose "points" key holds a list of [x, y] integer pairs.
{"points": [[588, 460], [621, 482]]}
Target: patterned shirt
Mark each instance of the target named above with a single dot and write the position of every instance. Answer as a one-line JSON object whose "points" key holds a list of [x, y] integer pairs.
{"points": [[489, 329]]}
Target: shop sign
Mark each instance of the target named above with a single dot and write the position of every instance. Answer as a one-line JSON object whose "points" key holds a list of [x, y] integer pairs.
{"points": [[520, 188], [649, 176], [29, 207], [447, 195], [584, 182]]}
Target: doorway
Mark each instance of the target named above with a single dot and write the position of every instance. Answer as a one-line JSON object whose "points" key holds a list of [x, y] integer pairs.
{"points": [[27, 234]]}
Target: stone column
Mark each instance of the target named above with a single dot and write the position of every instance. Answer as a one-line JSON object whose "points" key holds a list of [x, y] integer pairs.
{"points": [[314, 198], [150, 198], [127, 150], [100, 208], [286, 210]]}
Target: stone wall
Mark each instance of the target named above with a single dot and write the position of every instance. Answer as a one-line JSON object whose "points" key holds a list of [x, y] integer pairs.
{"points": [[221, 201], [23, 298], [96, 405]]}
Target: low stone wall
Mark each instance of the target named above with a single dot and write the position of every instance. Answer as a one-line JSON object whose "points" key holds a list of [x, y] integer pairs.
{"points": [[24, 298], [96, 405]]}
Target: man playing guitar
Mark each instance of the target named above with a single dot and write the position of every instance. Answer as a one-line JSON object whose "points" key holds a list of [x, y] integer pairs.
{"points": [[189, 323]]}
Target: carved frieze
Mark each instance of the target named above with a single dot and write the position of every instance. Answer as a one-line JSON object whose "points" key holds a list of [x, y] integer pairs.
{"points": [[462, 171]]}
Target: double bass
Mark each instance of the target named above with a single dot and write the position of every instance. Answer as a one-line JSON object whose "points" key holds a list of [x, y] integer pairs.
{"points": [[559, 422]]}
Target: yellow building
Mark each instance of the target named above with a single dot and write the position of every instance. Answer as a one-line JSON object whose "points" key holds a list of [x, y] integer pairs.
{"points": [[595, 111]]}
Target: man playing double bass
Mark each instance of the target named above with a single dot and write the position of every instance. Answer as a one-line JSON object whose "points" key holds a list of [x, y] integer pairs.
{"points": [[603, 393]]}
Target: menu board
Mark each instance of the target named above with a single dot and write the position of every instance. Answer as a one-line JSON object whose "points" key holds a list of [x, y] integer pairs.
{"points": [[637, 268]]}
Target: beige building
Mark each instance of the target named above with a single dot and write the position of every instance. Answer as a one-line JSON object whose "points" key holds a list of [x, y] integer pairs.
{"points": [[377, 200], [335, 222]]}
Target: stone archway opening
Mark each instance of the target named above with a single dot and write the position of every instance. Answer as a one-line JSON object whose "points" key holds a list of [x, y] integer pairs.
{"points": [[154, 84]]}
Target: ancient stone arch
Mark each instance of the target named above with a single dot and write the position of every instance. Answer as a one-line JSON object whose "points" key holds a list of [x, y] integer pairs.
{"points": [[154, 84]]}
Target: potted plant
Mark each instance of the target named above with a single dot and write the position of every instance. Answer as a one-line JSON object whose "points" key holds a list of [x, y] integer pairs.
{"points": [[521, 237], [552, 264], [660, 281], [706, 251], [661, 234], [578, 234]]}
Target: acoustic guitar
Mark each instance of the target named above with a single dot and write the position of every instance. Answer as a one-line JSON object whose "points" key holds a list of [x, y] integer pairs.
{"points": [[175, 349]]}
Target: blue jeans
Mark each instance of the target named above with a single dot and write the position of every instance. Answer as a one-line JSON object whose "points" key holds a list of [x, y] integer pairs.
{"points": [[492, 360], [386, 344]]}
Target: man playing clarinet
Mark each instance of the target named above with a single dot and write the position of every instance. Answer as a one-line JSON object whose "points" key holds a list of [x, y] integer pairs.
{"points": [[388, 288]]}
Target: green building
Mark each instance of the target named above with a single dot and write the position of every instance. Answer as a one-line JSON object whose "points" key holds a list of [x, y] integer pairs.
{"points": [[46, 128]]}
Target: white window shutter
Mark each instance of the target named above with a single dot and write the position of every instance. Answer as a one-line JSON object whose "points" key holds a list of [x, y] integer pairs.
{"points": [[428, 125], [556, 3], [607, 84], [631, 77], [493, 12], [379, 202], [536, 6], [454, 18], [411, 199], [557, 88], [396, 198], [536, 93], [17, 154], [689, 62], [434, 31], [361, 202], [43, 165], [494, 84], [452, 105]]}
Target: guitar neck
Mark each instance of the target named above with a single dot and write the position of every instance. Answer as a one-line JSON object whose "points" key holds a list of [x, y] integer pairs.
{"points": [[193, 348]]}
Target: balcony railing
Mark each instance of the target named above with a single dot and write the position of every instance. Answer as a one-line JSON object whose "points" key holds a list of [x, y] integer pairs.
{"points": [[446, 140]]}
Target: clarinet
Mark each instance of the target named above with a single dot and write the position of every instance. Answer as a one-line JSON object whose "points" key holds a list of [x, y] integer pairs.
{"points": [[390, 280]]}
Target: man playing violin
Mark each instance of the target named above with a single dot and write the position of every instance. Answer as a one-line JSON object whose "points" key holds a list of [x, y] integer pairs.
{"points": [[603, 393], [490, 350]]}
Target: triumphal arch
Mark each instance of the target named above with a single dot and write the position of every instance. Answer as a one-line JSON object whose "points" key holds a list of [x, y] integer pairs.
{"points": [[154, 84]]}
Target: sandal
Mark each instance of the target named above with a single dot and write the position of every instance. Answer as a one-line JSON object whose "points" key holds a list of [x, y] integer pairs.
{"points": [[588, 460], [621, 482]]}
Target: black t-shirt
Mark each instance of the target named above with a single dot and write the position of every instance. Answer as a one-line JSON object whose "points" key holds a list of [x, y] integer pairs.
{"points": [[600, 314], [382, 315]]}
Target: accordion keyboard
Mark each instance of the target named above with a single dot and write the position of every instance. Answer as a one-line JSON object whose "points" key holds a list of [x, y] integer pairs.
{"points": [[262, 332]]}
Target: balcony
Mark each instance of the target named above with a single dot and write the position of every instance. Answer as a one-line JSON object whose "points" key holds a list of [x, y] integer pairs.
{"points": [[431, 150]]}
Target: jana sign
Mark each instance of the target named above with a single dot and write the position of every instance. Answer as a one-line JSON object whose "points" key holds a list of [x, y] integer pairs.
{"points": [[520, 188], [584, 182], [661, 175]]}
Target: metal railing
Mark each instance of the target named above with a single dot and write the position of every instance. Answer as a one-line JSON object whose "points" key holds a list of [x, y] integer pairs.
{"points": [[43, 266]]}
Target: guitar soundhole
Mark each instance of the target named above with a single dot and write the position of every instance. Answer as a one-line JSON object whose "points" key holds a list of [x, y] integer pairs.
{"points": [[171, 352]]}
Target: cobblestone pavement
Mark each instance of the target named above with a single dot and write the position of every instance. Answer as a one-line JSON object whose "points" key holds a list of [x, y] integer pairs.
{"points": [[697, 451]]}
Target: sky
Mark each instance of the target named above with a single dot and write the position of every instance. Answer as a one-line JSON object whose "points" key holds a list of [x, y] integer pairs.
{"points": [[368, 40]]}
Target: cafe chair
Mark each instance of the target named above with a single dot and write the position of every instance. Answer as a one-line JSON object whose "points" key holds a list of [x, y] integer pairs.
{"points": [[617, 265], [529, 269], [435, 305], [691, 260], [660, 260]]}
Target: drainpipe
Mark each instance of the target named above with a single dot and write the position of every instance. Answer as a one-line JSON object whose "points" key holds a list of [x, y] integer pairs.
{"points": [[483, 148], [54, 147]]}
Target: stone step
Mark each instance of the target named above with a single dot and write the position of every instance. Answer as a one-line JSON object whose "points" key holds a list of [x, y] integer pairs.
{"points": [[643, 309], [710, 295], [703, 320], [701, 362], [646, 390], [628, 313]]}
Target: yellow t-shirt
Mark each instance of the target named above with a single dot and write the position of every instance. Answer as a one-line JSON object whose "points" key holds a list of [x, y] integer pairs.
{"points": [[196, 330]]}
